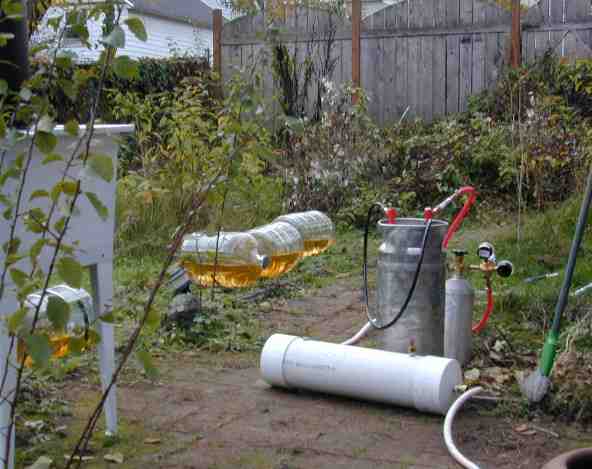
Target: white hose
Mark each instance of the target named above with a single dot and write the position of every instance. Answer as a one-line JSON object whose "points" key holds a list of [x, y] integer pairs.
{"points": [[359, 336], [452, 449]]}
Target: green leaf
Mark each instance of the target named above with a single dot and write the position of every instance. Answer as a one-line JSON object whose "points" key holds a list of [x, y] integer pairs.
{"points": [[76, 344], [108, 317], [16, 319], [51, 158], [18, 277], [39, 194], [12, 246], [4, 38], [153, 319], [71, 271], [60, 224], [101, 165], [3, 87], [69, 187], [39, 348], [64, 61], [145, 360], [35, 220], [72, 127], [102, 211], [136, 26], [126, 68], [116, 38], [45, 141], [58, 313], [36, 249]]}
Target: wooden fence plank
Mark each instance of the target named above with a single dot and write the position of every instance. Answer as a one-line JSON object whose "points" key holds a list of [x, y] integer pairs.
{"points": [[439, 13], [426, 77], [478, 74], [415, 10], [390, 17], [452, 13], [556, 11], [542, 43], [577, 10], [346, 61], [452, 73], [400, 75], [413, 71], [368, 49], [439, 77], [402, 15], [480, 12], [379, 86], [466, 70], [388, 96], [530, 46], [491, 50], [570, 45], [466, 12]]}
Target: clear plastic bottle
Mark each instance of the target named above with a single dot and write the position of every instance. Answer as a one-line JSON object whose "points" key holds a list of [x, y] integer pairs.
{"points": [[232, 261], [316, 228], [82, 316], [282, 243]]}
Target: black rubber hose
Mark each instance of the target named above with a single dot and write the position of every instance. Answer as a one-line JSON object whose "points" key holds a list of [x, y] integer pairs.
{"points": [[424, 242]]}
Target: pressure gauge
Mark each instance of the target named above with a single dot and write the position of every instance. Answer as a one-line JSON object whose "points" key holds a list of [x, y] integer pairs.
{"points": [[486, 252], [504, 268]]}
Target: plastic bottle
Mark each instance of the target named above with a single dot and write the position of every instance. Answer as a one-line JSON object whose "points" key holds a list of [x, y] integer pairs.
{"points": [[316, 228], [82, 316], [232, 261], [282, 243]]}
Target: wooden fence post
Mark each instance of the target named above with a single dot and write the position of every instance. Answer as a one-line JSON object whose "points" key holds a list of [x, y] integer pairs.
{"points": [[217, 41], [356, 42], [515, 52]]}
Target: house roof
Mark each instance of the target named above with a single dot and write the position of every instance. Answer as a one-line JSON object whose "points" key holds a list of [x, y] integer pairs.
{"points": [[192, 11]]}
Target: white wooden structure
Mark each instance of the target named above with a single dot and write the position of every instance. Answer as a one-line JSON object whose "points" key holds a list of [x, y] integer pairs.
{"points": [[94, 249]]}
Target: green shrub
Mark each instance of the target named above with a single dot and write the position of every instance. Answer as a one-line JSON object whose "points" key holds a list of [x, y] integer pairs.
{"points": [[526, 139], [183, 140], [154, 76]]}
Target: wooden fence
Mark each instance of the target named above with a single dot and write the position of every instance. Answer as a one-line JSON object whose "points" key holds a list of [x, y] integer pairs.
{"points": [[424, 56]]}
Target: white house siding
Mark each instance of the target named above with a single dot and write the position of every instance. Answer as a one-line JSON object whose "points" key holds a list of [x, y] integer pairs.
{"points": [[165, 38]]}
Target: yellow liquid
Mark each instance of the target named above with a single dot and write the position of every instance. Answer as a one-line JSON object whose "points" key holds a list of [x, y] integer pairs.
{"points": [[229, 276], [314, 247], [60, 347], [280, 265]]}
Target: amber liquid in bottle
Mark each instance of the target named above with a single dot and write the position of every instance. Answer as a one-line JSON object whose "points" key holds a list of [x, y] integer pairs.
{"points": [[60, 347], [281, 264], [314, 247], [229, 276]]}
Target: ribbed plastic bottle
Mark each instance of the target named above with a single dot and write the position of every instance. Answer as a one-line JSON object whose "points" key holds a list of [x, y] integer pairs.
{"points": [[82, 315], [232, 261], [282, 243], [316, 228]]}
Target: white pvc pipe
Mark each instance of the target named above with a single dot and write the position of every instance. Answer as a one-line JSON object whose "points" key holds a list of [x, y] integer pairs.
{"points": [[452, 449], [424, 382], [360, 335]]}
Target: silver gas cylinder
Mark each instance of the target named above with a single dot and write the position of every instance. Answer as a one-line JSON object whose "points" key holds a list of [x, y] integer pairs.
{"points": [[460, 299], [421, 327]]}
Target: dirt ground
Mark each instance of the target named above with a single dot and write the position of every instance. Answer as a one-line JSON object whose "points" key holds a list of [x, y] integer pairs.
{"points": [[213, 411]]}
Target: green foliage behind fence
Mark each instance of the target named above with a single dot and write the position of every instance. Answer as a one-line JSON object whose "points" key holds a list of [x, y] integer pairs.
{"points": [[155, 76]]}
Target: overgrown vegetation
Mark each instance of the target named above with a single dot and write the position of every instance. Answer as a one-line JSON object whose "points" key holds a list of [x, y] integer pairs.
{"points": [[525, 145]]}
